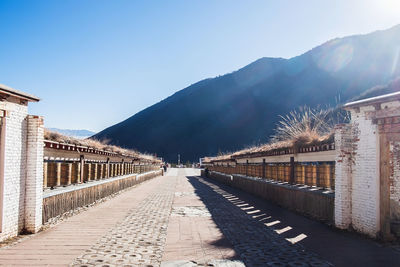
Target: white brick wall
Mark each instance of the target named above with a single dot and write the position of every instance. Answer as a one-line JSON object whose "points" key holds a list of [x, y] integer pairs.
{"points": [[357, 174], [23, 170], [343, 178], [14, 169], [365, 183]]}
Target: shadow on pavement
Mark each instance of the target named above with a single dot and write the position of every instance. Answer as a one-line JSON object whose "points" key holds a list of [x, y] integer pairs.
{"points": [[289, 232], [245, 228]]}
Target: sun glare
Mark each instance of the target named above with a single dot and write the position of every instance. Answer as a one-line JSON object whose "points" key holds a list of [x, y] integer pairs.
{"points": [[386, 6]]}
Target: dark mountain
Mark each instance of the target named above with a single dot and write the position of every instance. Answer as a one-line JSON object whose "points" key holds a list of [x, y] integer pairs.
{"points": [[241, 108], [392, 87]]}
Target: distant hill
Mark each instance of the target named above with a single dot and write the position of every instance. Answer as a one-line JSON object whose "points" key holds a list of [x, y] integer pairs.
{"points": [[392, 87], [80, 134], [241, 108]]}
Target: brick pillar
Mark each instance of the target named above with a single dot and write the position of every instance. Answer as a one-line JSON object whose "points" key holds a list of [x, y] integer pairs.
{"points": [[343, 175], [34, 174]]}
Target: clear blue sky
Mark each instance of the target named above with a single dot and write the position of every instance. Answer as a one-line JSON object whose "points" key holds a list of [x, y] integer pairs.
{"points": [[94, 63]]}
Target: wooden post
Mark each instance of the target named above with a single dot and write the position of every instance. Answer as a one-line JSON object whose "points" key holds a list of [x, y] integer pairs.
{"points": [[101, 171], [327, 178], [292, 166], [331, 176], [69, 174], [96, 173], [247, 167], [78, 172], [108, 168], [58, 174], [314, 175], [318, 180], [81, 168], [45, 174], [89, 166]]}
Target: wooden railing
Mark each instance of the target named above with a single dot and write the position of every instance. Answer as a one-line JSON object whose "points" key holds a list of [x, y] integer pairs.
{"points": [[318, 174], [58, 173]]}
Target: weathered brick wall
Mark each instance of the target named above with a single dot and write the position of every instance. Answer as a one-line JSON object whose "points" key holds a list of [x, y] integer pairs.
{"points": [[395, 181], [365, 182], [368, 168], [343, 172], [357, 174], [14, 169], [34, 174]]}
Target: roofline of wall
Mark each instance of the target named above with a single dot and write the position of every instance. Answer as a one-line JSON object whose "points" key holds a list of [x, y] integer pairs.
{"points": [[16, 93], [373, 100]]}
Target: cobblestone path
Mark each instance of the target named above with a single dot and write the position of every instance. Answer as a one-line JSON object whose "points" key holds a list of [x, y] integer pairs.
{"points": [[183, 220], [139, 239], [256, 244]]}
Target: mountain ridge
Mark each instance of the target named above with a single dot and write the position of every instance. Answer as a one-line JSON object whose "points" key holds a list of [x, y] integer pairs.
{"points": [[242, 107], [78, 133]]}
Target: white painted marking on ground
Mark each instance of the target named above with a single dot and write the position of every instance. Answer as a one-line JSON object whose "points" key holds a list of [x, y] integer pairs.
{"points": [[272, 223], [296, 239], [281, 231]]}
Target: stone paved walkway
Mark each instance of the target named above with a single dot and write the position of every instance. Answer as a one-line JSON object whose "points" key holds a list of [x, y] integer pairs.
{"points": [[139, 239], [61, 244], [184, 220], [193, 236], [244, 228]]}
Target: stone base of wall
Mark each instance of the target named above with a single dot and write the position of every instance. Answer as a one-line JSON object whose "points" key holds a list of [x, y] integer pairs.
{"points": [[317, 204], [60, 203]]}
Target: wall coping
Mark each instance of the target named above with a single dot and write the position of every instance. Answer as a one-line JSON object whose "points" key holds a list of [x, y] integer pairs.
{"points": [[373, 100], [18, 94]]}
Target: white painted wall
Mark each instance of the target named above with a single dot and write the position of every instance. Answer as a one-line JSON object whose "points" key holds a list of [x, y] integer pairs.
{"points": [[14, 169], [23, 171]]}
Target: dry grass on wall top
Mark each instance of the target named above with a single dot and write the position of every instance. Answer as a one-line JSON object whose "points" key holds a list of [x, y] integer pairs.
{"points": [[99, 145], [307, 126], [300, 128]]}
